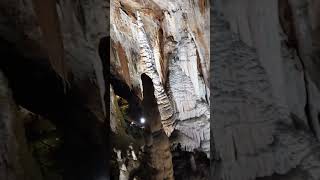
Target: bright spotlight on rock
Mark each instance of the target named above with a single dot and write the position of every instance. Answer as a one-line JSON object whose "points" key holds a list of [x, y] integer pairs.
{"points": [[142, 120]]}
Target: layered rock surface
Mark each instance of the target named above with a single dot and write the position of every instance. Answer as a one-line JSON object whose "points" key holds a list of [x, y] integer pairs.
{"points": [[265, 93], [169, 42]]}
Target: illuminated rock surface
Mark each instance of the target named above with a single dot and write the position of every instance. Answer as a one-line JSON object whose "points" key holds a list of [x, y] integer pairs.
{"points": [[169, 42]]}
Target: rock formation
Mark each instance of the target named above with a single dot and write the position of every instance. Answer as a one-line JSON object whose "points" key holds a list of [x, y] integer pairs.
{"points": [[169, 42], [16, 159], [56, 57], [265, 90], [50, 56]]}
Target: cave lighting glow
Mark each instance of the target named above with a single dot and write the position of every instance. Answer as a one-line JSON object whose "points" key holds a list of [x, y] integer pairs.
{"points": [[142, 120]]}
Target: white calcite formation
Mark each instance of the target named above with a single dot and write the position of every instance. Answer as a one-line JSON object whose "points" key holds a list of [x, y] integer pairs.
{"points": [[149, 68], [169, 42]]}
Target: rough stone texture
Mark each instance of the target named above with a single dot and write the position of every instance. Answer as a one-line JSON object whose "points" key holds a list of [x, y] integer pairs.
{"points": [[157, 146], [149, 68], [169, 42], [115, 114], [16, 162], [264, 91], [197, 163], [81, 25], [36, 31]]}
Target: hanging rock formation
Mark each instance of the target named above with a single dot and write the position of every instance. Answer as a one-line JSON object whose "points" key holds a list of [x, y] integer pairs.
{"points": [[169, 42]]}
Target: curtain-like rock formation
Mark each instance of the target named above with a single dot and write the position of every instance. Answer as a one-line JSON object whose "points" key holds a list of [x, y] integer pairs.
{"points": [[265, 93], [169, 42]]}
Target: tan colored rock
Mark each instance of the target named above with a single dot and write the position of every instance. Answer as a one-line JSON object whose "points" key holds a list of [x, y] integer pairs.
{"points": [[169, 42]]}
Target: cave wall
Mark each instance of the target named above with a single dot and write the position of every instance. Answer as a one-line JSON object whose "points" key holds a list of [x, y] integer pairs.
{"points": [[51, 59], [16, 159], [65, 30], [264, 89]]}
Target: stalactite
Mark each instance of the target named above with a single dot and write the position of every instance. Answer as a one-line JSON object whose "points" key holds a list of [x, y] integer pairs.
{"points": [[171, 45], [148, 61]]}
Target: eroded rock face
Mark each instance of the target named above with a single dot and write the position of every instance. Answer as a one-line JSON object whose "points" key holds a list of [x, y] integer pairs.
{"points": [[169, 42], [265, 91], [66, 34], [157, 142], [53, 66], [16, 159]]}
